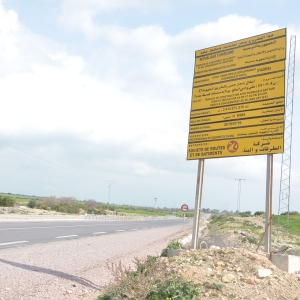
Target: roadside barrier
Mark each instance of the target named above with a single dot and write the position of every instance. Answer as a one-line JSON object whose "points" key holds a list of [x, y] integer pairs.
{"points": [[124, 218]]}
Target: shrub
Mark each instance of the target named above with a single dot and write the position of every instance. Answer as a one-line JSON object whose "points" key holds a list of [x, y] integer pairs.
{"points": [[90, 203], [172, 245], [175, 288], [250, 239], [14, 209], [214, 216], [151, 280], [96, 212], [31, 204], [258, 213], [7, 201]]}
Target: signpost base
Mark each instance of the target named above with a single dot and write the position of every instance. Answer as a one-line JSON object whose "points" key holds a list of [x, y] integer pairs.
{"points": [[269, 186], [198, 199]]}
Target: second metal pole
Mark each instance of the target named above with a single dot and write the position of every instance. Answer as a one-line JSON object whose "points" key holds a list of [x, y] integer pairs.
{"points": [[269, 187], [198, 199]]}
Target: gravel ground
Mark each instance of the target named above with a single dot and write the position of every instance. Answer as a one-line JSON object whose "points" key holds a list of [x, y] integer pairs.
{"points": [[75, 269]]}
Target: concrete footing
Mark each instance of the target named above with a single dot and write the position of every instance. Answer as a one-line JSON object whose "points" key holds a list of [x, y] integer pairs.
{"points": [[285, 262], [174, 252]]}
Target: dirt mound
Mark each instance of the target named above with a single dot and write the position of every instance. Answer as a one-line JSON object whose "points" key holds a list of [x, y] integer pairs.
{"points": [[235, 273]]}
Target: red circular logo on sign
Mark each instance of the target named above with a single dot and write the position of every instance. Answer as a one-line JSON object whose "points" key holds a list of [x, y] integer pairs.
{"points": [[184, 208], [232, 146]]}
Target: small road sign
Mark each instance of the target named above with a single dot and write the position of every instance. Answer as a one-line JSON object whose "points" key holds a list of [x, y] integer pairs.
{"points": [[184, 208]]}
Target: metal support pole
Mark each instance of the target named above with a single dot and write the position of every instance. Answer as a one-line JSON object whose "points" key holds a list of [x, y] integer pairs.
{"points": [[183, 221], [198, 199], [269, 186]]}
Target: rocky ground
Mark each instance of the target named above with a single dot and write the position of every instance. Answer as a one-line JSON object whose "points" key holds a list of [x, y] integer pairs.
{"points": [[230, 264], [234, 273]]}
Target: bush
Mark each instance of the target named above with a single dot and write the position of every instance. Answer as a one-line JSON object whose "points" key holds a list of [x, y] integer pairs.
{"points": [[175, 288], [31, 204], [250, 239], [153, 279], [172, 245], [258, 213], [245, 214], [96, 212], [7, 201], [214, 216], [291, 213], [90, 203]]}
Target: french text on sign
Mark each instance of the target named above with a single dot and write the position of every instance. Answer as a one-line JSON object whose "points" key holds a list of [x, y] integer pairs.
{"points": [[245, 146]]}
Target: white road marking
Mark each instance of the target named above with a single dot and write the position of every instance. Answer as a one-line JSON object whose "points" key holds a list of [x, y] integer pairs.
{"points": [[47, 227], [3, 244], [134, 229], [120, 230], [66, 236], [145, 228], [99, 232]]}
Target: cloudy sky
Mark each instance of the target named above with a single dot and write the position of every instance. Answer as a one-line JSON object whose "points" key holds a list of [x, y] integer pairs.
{"points": [[96, 90]]}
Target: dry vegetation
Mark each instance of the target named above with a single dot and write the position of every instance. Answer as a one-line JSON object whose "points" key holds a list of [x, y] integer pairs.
{"points": [[229, 269]]}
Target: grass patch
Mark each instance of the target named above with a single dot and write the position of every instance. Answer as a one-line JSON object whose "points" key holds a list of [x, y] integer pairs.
{"points": [[294, 223]]}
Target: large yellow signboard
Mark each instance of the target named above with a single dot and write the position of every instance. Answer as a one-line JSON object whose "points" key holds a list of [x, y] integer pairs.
{"points": [[238, 98]]}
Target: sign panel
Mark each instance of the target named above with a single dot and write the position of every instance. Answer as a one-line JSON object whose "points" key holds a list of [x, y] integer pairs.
{"points": [[238, 108], [240, 73], [238, 98], [184, 208], [239, 91], [236, 147], [243, 42], [252, 55]]}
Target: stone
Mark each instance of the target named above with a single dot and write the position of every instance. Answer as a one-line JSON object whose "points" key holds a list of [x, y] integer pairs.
{"points": [[228, 278], [220, 265], [258, 257], [272, 267], [209, 269], [214, 247], [251, 280], [237, 269], [7, 289], [263, 273], [69, 292]]}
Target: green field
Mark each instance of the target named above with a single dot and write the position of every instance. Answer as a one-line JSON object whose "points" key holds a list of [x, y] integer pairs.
{"points": [[22, 199], [149, 211], [294, 223]]}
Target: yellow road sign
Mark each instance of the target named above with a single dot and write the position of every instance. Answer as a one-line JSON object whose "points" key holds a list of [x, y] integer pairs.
{"points": [[250, 55], [248, 41], [237, 123], [238, 98], [237, 108], [239, 91], [246, 114], [240, 73], [236, 147], [233, 133]]}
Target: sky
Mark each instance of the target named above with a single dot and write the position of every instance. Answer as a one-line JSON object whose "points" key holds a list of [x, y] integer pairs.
{"points": [[95, 90]]}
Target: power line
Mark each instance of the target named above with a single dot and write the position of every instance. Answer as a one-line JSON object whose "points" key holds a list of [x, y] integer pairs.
{"points": [[46, 161]]}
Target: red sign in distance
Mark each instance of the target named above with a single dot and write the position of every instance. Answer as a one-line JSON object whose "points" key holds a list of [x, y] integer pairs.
{"points": [[184, 208]]}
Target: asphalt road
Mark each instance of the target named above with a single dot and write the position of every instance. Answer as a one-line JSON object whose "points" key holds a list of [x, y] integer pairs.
{"points": [[25, 233]]}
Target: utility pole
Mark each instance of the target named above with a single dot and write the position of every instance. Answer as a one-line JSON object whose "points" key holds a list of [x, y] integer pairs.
{"points": [[239, 193], [155, 199], [110, 183]]}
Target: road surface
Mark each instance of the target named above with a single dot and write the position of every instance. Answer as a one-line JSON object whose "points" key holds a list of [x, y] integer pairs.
{"points": [[25, 233]]}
